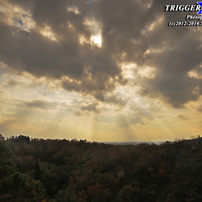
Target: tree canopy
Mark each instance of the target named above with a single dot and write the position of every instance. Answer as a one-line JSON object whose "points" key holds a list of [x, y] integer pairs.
{"points": [[63, 170]]}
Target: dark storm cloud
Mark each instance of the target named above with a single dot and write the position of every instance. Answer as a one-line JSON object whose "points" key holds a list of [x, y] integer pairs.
{"points": [[132, 31]]}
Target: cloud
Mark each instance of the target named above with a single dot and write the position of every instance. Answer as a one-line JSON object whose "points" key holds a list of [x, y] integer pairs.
{"points": [[172, 80], [90, 107], [40, 104], [183, 118], [196, 73], [111, 98], [200, 108], [145, 39], [80, 67], [52, 39], [12, 83]]}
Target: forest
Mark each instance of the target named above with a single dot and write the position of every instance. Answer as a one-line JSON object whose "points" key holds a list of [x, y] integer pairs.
{"points": [[78, 170]]}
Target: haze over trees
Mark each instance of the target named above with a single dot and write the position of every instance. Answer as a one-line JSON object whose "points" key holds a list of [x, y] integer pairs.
{"points": [[63, 170]]}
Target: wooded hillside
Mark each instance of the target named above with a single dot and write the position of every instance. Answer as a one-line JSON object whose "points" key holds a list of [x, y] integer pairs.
{"points": [[62, 170]]}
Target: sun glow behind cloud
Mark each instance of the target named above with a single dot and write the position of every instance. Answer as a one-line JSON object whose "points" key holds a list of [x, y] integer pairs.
{"points": [[95, 29], [97, 40]]}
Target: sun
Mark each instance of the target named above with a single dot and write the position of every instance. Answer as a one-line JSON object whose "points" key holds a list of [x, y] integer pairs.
{"points": [[97, 40]]}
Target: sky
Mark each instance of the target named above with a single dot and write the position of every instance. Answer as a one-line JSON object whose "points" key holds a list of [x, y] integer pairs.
{"points": [[100, 70]]}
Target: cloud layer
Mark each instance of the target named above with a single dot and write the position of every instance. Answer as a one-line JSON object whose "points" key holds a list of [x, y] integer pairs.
{"points": [[44, 38], [98, 61]]}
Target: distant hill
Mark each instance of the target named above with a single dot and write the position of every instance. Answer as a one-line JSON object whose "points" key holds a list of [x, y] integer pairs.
{"points": [[133, 143], [63, 170]]}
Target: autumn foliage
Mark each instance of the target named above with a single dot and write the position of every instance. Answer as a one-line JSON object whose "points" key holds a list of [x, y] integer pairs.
{"points": [[62, 170]]}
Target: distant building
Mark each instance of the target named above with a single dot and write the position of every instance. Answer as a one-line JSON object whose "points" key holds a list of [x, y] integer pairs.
{"points": [[1, 137]]}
